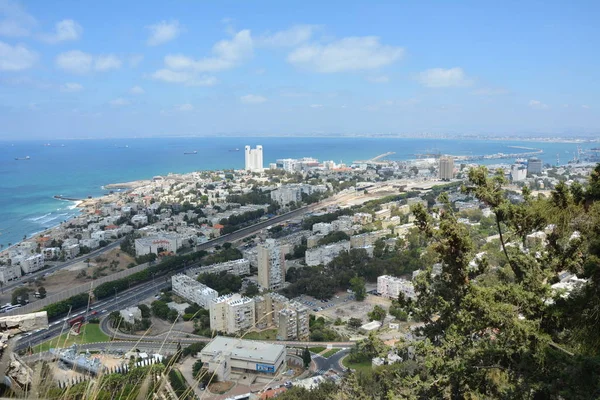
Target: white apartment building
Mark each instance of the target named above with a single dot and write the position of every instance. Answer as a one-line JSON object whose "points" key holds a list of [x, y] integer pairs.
{"points": [[324, 254], [29, 264], [9, 272], [518, 172], [293, 193], [362, 218], [139, 220], [391, 287], [232, 313], [90, 243], [157, 244], [71, 251], [254, 159], [192, 290], [236, 267], [369, 238], [323, 228], [271, 265]]}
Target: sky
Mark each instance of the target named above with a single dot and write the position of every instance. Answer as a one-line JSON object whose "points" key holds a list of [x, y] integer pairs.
{"points": [[80, 69]]}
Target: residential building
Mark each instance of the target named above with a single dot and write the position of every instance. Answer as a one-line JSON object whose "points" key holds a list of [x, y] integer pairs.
{"points": [[236, 267], [369, 238], [324, 254], [534, 166], [446, 168], [293, 323], [232, 313], [271, 265], [518, 172], [157, 244], [192, 290], [9, 272], [224, 355], [29, 264], [254, 159], [391, 287]]}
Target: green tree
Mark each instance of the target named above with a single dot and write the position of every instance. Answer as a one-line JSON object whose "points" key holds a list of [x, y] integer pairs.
{"points": [[306, 357], [42, 292], [355, 323], [358, 287], [377, 314]]}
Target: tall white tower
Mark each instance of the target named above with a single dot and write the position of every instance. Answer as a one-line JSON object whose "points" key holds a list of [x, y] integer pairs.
{"points": [[254, 158], [248, 160]]}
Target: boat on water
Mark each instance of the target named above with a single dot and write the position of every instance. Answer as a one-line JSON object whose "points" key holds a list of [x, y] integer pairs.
{"points": [[236, 149], [190, 152], [22, 158]]}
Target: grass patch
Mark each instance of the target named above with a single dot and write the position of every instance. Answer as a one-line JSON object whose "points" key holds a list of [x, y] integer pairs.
{"points": [[267, 334], [331, 352], [90, 333], [361, 366], [317, 349]]}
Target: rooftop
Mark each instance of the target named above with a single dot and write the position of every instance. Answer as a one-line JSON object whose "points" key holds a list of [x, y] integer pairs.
{"points": [[246, 349]]}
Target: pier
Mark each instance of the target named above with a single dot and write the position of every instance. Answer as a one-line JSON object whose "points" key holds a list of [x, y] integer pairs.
{"points": [[499, 156], [376, 159], [64, 198]]}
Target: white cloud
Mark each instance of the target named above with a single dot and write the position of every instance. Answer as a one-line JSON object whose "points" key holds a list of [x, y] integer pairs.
{"points": [[66, 29], [440, 77], [74, 61], [585, 106], [163, 32], [71, 87], [292, 37], [490, 92], [119, 102], [185, 107], [182, 77], [252, 99], [14, 20], [135, 60], [348, 54], [378, 79], [107, 62], [226, 54], [16, 58], [537, 105], [78, 62], [316, 106], [137, 90]]}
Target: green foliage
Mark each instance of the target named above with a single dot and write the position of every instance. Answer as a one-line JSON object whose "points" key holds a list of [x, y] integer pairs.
{"points": [[20, 295], [179, 385], [226, 253], [377, 314], [222, 282], [355, 323], [160, 309], [308, 223], [251, 290], [145, 310], [235, 222], [193, 349], [358, 287], [333, 237], [62, 307], [306, 357]]}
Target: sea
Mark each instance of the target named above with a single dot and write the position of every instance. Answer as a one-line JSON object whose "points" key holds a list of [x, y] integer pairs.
{"points": [[80, 168]]}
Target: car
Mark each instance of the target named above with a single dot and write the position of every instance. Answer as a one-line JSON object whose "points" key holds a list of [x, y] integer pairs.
{"points": [[103, 311], [315, 309]]}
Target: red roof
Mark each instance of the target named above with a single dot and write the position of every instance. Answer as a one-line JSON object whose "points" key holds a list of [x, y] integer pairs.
{"points": [[272, 393], [111, 227], [218, 226]]}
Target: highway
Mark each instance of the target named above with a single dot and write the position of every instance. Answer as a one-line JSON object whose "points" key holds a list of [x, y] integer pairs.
{"points": [[136, 294]]}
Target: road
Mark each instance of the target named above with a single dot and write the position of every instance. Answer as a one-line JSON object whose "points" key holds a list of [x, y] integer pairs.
{"points": [[323, 364], [139, 292]]}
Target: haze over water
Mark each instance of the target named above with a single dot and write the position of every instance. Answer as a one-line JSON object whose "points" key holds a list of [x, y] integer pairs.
{"points": [[81, 167]]}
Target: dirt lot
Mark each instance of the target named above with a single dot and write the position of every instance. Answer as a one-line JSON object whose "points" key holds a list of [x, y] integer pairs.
{"points": [[77, 274], [355, 309]]}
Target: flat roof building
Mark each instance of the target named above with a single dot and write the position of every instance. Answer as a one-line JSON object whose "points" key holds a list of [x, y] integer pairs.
{"points": [[194, 291], [224, 355], [232, 313]]}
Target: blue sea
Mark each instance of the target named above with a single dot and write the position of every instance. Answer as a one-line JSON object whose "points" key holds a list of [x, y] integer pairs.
{"points": [[79, 168]]}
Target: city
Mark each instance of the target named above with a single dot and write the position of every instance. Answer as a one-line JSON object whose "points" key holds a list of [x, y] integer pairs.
{"points": [[299, 200]]}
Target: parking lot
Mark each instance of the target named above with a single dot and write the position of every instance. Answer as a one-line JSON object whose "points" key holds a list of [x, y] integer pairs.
{"points": [[317, 305]]}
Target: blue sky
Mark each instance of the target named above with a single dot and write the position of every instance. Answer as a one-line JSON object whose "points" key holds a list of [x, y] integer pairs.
{"points": [[123, 69]]}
